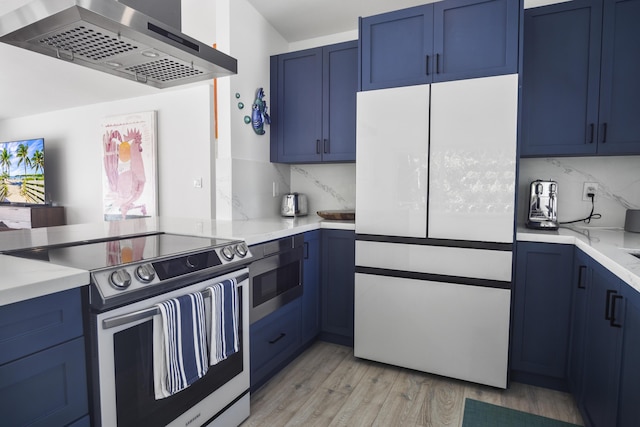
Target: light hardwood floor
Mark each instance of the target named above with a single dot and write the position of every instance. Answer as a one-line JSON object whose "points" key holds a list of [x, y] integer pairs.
{"points": [[328, 386]]}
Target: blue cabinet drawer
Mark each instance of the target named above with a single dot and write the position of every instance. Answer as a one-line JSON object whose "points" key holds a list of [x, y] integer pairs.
{"points": [[48, 388], [273, 339], [33, 325]]}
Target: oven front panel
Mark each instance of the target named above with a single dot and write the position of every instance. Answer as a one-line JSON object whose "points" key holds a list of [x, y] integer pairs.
{"points": [[275, 281], [123, 374]]}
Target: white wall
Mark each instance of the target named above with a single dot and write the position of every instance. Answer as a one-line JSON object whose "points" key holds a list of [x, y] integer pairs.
{"points": [[618, 181], [244, 174], [73, 152]]}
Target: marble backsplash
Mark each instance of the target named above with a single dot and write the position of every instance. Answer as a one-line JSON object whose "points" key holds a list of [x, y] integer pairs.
{"points": [[332, 186], [327, 186], [618, 181]]}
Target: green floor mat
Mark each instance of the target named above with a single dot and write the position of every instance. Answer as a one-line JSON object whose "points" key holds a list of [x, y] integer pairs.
{"points": [[480, 414]]}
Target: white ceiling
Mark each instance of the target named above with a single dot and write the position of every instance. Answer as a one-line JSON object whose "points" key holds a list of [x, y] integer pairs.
{"points": [[299, 20], [31, 83]]}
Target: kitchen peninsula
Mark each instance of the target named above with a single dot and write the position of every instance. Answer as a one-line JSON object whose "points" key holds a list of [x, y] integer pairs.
{"points": [[25, 279]]}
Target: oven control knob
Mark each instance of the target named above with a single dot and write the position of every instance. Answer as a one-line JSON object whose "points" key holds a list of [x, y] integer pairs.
{"points": [[241, 250], [227, 253], [145, 273], [120, 279]]}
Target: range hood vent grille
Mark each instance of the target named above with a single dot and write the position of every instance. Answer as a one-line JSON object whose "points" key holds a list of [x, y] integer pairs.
{"points": [[89, 43], [109, 36], [165, 70]]}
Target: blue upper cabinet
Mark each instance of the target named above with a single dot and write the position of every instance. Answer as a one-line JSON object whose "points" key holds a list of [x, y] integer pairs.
{"points": [[619, 127], [397, 48], [475, 38], [560, 78], [298, 108], [340, 85], [314, 104], [448, 40], [579, 94]]}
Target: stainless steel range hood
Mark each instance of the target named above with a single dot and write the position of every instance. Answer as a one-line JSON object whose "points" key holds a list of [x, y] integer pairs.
{"points": [[109, 36]]}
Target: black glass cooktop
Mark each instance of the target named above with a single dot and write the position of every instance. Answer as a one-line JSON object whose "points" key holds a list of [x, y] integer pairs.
{"points": [[96, 255]]}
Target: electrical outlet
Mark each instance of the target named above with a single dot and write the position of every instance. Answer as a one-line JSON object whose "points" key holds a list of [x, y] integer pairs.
{"points": [[589, 188]]}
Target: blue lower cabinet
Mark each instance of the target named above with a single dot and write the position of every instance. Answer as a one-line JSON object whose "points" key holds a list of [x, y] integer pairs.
{"points": [[48, 388], [43, 377], [82, 422], [338, 276], [628, 407], [542, 318], [602, 349], [275, 340], [36, 324], [311, 286], [581, 282]]}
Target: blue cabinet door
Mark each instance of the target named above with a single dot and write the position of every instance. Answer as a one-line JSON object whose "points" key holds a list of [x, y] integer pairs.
{"points": [[447, 40], [619, 128], [311, 286], [314, 106], [397, 48], [338, 276], [628, 408], [298, 132], [541, 320], [340, 85], [560, 79], [602, 349], [274, 341], [475, 38], [580, 283], [48, 388], [36, 324]]}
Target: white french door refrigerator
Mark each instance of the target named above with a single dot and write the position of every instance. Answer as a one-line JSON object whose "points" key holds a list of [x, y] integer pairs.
{"points": [[435, 202]]}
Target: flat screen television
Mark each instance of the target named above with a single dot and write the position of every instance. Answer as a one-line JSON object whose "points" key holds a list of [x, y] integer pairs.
{"points": [[22, 173]]}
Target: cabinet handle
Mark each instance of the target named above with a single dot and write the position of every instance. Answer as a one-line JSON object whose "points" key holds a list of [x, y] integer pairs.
{"points": [[427, 64], [437, 63], [613, 312], [317, 146], [604, 132], [607, 309], [325, 144], [305, 250], [581, 271], [282, 335], [592, 126]]}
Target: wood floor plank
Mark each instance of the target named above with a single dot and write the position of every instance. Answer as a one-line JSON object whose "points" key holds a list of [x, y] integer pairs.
{"points": [[328, 386], [419, 399], [279, 399], [319, 409], [363, 405], [444, 403]]}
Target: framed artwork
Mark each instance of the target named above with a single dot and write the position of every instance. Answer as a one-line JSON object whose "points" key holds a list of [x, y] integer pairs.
{"points": [[129, 166]]}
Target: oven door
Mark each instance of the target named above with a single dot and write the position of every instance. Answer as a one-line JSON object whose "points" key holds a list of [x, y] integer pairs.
{"points": [[275, 280], [123, 375]]}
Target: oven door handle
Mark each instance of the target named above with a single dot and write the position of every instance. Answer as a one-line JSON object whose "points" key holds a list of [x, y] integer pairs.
{"points": [[123, 319]]}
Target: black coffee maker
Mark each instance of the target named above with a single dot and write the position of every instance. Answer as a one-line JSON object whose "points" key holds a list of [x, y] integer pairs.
{"points": [[543, 205]]}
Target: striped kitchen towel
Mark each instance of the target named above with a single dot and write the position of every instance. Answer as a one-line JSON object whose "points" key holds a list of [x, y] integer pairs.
{"points": [[224, 320], [180, 344]]}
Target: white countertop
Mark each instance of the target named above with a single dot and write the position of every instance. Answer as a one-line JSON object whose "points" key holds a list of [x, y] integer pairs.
{"points": [[23, 279], [608, 246]]}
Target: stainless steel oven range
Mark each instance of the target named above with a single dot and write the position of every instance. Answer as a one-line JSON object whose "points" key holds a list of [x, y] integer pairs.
{"points": [[129, 276]]}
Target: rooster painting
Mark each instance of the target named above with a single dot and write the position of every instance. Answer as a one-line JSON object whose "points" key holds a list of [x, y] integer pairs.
{"points": [[124, 169]]}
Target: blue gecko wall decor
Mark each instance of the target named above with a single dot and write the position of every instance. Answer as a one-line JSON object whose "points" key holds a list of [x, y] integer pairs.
{"points": [[259, 114]]}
